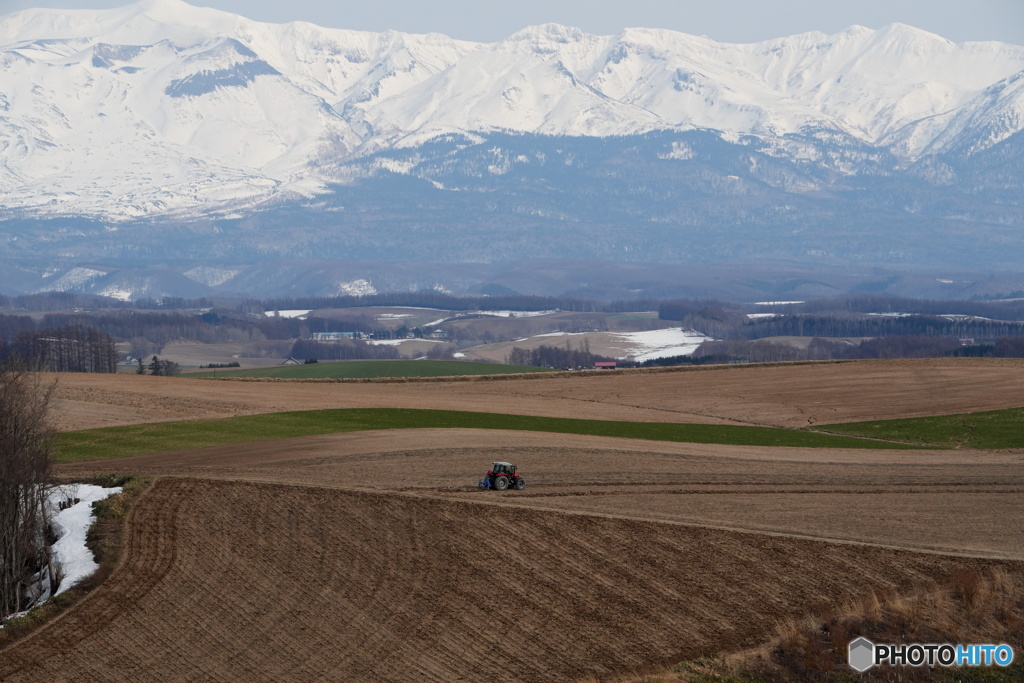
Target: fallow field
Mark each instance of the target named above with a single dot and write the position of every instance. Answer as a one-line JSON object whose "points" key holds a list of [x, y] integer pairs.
{"points": [[370, 555]]}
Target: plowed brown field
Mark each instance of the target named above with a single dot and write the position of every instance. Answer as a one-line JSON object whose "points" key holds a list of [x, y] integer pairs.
{"points": [[371, 556], [966, 502], [230, 580]]}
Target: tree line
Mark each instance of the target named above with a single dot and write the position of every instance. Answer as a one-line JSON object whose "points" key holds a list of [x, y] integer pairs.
{"points": [[896, 346], [27, 570], [72, 348], [354, 349], [732, 324], [555, 357], [446, 302], [876, 326]]}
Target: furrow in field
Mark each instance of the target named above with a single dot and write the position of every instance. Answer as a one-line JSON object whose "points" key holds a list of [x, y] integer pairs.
{"points": [[226, 579]]}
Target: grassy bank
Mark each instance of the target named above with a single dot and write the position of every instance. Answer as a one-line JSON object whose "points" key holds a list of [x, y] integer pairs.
{"points": [[116, 442], [972, 606], [993, 429]]}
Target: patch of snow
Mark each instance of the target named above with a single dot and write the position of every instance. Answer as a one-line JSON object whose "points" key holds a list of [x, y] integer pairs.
{"points": [[71, 557], [70, 526], [662, 343], [777, 303], [118, 293], [74, 279], [558, 334], [399, 342], [496, 314], [680, 152], [211, 276], [293, 313], [358, 287], [514, 314], [394, 165], [458, 354], [759, 316]]}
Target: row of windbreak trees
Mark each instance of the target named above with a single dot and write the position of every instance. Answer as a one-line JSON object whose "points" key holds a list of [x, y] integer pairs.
{"points": [[555, 357], [876, 326], [56, 301], [900, 346], [353, 349], [74, 348], [729, 323], [855, 307]]}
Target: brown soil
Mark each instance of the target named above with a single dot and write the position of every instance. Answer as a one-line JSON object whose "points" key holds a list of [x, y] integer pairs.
{"points": [[781, 395], [371, 556], [948, 501], [231, 580]]}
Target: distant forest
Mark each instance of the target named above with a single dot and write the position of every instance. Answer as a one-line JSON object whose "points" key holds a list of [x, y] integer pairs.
{"points": [[77, 332], [71, 348], [555, 357]]}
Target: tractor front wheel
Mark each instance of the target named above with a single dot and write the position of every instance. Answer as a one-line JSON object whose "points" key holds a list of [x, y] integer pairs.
{"points": [[501, 483], [520, 484]]}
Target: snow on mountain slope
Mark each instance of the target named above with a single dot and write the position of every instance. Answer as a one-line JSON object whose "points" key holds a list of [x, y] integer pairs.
{"points": [[521, 84], [160, 107]]}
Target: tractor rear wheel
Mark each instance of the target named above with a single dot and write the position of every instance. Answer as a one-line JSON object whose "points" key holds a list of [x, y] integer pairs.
{"points": [[501, 483], [520, 484]]}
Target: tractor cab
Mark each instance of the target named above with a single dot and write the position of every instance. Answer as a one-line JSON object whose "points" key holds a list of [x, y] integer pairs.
{"points": [[501, 476], [503, 468]]}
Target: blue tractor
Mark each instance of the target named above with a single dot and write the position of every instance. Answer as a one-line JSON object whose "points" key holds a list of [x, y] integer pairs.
{"points": [[501, 477]]}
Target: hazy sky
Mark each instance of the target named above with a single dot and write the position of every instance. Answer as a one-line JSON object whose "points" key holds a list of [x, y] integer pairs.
{"points": [[724, 20]]}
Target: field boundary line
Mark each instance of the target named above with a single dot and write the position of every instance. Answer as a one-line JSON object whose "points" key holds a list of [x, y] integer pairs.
{"points": [[560, 374]]}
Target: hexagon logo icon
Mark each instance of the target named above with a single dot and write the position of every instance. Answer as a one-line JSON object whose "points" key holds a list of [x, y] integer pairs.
{"points": [[861, 654]]}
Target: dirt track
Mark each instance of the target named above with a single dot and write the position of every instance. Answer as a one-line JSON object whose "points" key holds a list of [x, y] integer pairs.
{"points": [[369, 556], [228, 580]]}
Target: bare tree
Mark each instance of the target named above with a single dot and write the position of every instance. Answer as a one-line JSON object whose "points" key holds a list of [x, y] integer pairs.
{"points": [[25, 475]]}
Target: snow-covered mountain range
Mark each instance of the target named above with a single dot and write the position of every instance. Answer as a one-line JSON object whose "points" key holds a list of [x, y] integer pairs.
{"points": [[162, 109]]}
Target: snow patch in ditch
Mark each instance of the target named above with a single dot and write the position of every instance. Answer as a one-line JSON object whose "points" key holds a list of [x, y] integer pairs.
{"points": [[72, 558]]}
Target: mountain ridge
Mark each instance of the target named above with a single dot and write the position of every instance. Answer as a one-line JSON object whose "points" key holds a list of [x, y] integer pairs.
{"points": [[163, 149], [201, 92]]}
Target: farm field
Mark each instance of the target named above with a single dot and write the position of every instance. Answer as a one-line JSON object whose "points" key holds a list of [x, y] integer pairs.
{"points": [[957, 502], [769, 395], [268, 582], [192, 354], [641, 345], [123, 441], [371, 555], [361, 369]]}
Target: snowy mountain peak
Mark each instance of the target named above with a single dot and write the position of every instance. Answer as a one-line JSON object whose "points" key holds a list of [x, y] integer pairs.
{"points": [[547, 34], [163, 107]]}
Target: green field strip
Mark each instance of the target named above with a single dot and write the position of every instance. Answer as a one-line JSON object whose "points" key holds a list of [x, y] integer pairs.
{"points": [[990, 430], [119, 442], [371, 369]]}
